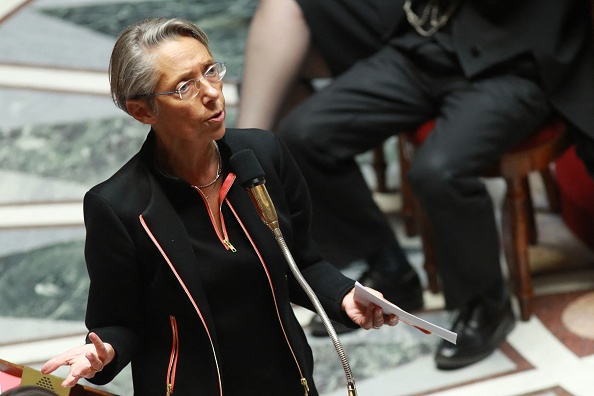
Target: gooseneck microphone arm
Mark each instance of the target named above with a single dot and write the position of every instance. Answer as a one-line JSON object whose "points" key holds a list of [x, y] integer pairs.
{"points": [[252, 178]]}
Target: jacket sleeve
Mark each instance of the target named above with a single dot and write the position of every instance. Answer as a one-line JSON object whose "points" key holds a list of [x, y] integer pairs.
{"points": [[329, 284], [113, 304]]}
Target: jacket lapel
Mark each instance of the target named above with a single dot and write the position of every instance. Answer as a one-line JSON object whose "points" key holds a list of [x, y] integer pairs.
{"points": [[168, 233]]}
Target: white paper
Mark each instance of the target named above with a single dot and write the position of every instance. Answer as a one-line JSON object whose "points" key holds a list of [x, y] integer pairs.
{"points": [[363, 296]]}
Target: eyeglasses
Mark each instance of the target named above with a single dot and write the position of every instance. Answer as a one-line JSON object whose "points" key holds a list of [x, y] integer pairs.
{"points": [[190, 88]]}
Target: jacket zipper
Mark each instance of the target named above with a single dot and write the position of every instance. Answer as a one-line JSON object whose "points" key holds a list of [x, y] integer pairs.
{"points": [[194, 304], [229, 246], [223, 238], [305, 386], [303, 380], [226, 185], [172, 369]]}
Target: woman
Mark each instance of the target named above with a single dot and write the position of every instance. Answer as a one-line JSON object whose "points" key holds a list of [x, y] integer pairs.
{"points": [[187, 283]]}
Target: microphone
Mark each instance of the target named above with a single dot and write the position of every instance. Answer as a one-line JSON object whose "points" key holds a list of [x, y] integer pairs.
{"points": [[251, 176]]}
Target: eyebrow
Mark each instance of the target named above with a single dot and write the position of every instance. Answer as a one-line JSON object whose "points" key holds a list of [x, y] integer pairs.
{"points": [[190, 73]]}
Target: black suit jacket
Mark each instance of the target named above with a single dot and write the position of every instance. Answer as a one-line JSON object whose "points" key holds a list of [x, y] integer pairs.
{"points": [[145, 283], [556, 33]]}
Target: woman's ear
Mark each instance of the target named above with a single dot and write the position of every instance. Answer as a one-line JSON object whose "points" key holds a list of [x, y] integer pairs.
{"points": [[140, 110]]}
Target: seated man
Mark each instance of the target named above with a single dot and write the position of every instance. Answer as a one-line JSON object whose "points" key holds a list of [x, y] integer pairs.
{"points": [[489, 73], [278, 90]]}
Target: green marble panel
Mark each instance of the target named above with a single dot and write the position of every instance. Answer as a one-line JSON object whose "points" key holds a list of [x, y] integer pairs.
{"points": [[87, 152], [49, 283], [224, 21]]}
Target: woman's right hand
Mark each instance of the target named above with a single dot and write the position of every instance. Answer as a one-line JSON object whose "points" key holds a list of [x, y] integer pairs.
{"points": [[84, 361]]}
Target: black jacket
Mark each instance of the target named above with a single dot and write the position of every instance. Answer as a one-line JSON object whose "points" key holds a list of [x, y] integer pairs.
{"points": [[146, 297], [557, 34]]}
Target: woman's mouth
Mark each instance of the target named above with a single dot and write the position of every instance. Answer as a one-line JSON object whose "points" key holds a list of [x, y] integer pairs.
{"points": [[219, 117]]}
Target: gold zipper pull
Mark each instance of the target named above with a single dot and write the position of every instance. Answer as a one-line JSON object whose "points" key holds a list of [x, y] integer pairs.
{"points": [[231, 247], [168, 393], [305, 386]]}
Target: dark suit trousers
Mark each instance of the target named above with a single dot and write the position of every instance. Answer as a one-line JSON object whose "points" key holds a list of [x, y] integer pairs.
{"points": [[476, 122]]}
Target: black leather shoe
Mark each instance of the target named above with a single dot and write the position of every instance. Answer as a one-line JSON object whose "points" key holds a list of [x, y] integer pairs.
{"points": [[481, 327], [405, 292]]}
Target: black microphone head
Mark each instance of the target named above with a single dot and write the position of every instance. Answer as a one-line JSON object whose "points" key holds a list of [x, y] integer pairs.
{"points": [[247, 168]]}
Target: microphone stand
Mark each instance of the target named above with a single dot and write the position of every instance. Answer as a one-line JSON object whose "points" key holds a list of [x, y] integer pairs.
{"points": [[265, 208]]}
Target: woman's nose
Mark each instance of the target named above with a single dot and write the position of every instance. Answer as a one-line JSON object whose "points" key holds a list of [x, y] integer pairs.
{"points": [[210, 91]]}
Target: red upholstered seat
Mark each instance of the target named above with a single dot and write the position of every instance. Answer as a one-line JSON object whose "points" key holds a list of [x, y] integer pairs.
{"points": [[534, 154], [544, 134], [576, 189]]}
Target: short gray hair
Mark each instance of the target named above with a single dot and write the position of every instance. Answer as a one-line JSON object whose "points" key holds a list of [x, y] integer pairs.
{"points": [[132, 69]]}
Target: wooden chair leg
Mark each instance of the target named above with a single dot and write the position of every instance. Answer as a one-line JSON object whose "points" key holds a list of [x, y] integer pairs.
{"points": [[530, 213], [515, 238], [552, 190], [379, 166], [409, 208], [414, 220], [430, 264]]}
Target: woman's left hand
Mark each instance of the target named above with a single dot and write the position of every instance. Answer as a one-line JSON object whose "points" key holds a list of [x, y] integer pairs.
{"points": [[85, 361], [368, 317]]}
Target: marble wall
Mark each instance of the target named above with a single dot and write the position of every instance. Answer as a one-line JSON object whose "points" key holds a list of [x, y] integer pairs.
{"points": [[56, 145]]}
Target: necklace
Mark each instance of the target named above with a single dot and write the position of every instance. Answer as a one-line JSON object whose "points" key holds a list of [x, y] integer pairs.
{"points": [[210, 192], [218, 169], [429, 15], [214, 182]]}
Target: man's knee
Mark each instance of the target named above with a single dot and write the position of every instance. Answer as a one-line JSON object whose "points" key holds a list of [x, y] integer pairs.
{"points": [[297, 132], [430, 178]]}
